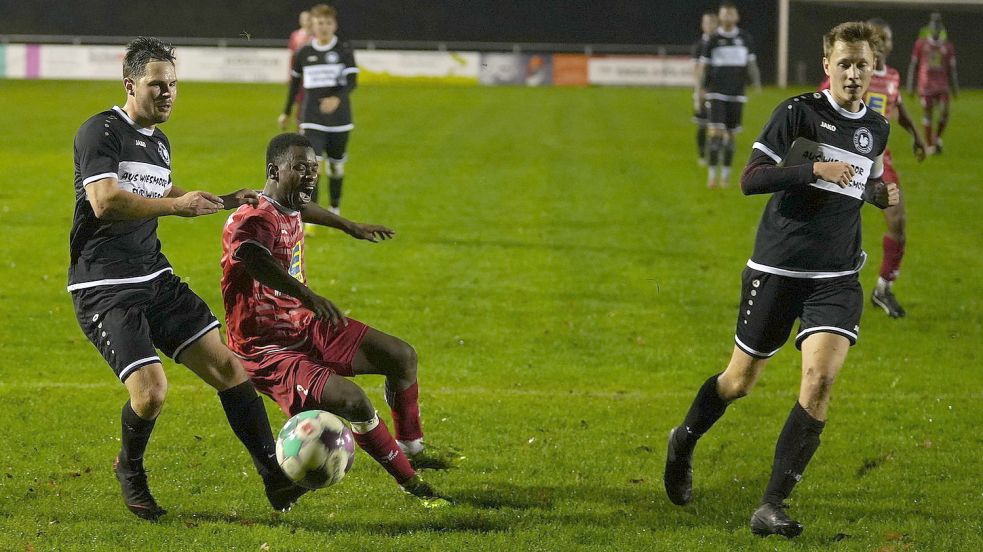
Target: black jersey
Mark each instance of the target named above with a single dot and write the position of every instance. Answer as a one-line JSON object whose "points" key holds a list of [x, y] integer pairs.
{"points": [[813, 231], [727, 54], [111, 145], [325, 71]]}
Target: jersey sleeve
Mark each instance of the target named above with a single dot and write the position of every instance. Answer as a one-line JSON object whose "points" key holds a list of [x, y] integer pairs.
{"points": [[97, 151], [348, 58], [749, 44], [778, 134], [950, 54], [295, 68], [705, 49], [256, 228], [915, 50]]}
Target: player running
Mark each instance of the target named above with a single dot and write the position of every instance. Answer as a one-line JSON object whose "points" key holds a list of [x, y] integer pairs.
{"points": [[728, 59], [294, 343], [326, 68], [708, 23], [127, 299], [884, 96], [820, 157], [934, 59]]}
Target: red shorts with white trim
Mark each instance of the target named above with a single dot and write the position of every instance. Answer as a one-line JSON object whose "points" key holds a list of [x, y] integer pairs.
{"points": [[770, 304], [294, 379]]}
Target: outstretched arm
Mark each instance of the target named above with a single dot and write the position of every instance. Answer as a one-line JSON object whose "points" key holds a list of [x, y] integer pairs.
{"points": [[231, 200], [261, 265], [109, 202], [315, 214]]}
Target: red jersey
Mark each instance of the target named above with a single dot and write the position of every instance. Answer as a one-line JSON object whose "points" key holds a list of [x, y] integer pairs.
{"points": [[935, 58], [260, 319], [884, 93], [298, 39]]}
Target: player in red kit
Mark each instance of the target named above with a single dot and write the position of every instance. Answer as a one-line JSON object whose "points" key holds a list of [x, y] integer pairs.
{"points": [[934, 59], [884, 96], [295, 344]]}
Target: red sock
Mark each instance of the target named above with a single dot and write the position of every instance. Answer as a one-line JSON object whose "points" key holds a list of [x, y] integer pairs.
{"points": [[893, 252], [381, 446], [405, 407]]}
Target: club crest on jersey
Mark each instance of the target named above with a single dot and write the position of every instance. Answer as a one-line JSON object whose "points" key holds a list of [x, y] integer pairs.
{"points": [[862, 140], [331, 57], [163, 153]]}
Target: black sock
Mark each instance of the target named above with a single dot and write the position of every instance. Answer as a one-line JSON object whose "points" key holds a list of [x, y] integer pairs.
{"points": [[247, 416], [706, 409], [335, 185], [701, 141], [728, 152], [136, 435], [796, 445], [714, 144]]}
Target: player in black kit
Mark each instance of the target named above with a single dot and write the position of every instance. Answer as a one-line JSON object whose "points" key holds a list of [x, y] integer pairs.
{"points": [[820, 158], [326, 68], [127, 299], [728, 60], [707, 25]]}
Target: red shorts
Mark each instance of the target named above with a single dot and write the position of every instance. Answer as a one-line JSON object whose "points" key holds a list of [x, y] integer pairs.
{"points": [[929, 100], [295, 379], [890, 175]]}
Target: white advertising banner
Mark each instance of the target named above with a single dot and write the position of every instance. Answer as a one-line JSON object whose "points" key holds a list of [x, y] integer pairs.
{"points": [[382, 65], [640, 70]]}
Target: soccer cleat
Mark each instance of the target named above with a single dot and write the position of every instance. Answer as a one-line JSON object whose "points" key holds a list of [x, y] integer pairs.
{"points": [[678, 477], [136, 493], [310, 229], [885, 299], [771, 519], [335, 210], [435, 458], [422, 491], [282, 492], [937, 148]]}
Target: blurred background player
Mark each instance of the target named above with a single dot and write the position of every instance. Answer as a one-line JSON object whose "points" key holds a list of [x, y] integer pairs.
{"points": [[128, 301], [298, 39], [708, 23], [884, 97], [296, 344], [934, 60], [326, 69], [805, 265], [726, 63]]}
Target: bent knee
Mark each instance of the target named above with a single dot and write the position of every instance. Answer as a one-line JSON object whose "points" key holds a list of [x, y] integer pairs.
{"points": [[148, 401]]}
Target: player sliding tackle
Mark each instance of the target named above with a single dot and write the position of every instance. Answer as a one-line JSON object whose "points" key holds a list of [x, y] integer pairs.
{"points": [[820, 158], [295, 344]]}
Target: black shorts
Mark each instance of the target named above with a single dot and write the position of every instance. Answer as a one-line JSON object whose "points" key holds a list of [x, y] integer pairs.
{"points": [[128, 323], [724, 114], [700, 117], [332, 145], [771, 303]]}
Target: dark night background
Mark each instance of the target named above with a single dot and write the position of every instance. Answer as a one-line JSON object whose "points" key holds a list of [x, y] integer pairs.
{"points": [[575, 22]]}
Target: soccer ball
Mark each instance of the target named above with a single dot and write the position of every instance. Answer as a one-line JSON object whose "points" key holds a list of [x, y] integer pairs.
{"points": [[315, 449]]}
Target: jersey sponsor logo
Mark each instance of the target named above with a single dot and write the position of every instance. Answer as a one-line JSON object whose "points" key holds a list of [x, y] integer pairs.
{"points": [[877, 102], [806, 151], [164, 154], [302, 390], [144, 179], [141, 143], [322, 75], [297, 262], [729, 56], [862, 140], [827, 126]]}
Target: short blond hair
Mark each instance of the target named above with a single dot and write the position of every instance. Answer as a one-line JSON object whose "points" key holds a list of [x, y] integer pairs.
{"points": [[852, 32], [323, 10]]}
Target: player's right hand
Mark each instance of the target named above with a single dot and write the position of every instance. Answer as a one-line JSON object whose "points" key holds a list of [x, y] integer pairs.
{"points": [[282, 121], [919, 150], [193, 204], [324, 309], [836, 172]]}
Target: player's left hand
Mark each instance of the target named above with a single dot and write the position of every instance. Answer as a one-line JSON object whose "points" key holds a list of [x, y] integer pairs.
{"points": [[371, 232], [919, 150], [244, 196], [330, 104]]}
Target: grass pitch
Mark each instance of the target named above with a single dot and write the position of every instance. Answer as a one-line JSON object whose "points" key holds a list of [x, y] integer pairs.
{"points": [[568, 283]]}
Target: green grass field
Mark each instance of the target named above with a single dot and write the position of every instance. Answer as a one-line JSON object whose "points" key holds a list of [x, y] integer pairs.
{"points": [[568, 282]]}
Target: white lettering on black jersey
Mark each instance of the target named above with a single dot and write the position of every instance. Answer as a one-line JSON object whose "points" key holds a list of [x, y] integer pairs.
{"points": [[325, 70], [111, 145], [727, 54], [814, 231]]}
